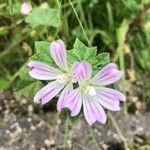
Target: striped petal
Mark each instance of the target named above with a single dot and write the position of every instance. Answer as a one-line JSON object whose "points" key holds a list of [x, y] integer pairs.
{"points": [[42, 71], [108, 102], [111, 93], [82, 71], [108, 75], [63, 97], [58, 52], [48, 92], [74, 102], [92, 110]]}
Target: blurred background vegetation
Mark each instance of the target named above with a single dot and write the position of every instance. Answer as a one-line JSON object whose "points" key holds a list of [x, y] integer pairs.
{"points": [[120, 27]]}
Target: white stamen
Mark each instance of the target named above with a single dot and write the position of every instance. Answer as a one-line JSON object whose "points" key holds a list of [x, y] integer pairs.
{"points": [[61, 78], [90, 90]]}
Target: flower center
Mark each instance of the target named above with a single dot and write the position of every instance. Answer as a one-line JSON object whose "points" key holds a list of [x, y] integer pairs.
{"points": [[90, 90], [62, 78]]}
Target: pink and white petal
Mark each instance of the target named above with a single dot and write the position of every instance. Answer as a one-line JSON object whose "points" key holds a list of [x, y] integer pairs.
{"points": [[89, 115], [109, 103], [98, 110], [105, 70], [63, 96], [82, 71], [43, 71], [111, 77], [111, 93], [48, 92], [74, 102], [58, 52]]}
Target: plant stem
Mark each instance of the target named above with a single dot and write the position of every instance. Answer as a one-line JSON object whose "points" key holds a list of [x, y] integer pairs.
{"points": [[89, 43], [66, 133]]}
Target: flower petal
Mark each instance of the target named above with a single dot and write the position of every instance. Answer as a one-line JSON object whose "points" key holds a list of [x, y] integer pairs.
{"points": [[63, 97], [107, 102], [42, 71], [26, 8], [113, 94], [100, 115], [74, 102], [48, 92], [82, 71], [58, 52], [92, 110], [108, 75]]}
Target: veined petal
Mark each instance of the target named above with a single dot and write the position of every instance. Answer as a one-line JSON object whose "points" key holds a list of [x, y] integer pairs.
{"points": [[48, 92], [58, 52], [108, 75], [106, 70], [107, 102], [88, 113], [42, 71], [82, 71], [111, 93], [92, 110], [74, 102], [63, 97], [99, 111]]}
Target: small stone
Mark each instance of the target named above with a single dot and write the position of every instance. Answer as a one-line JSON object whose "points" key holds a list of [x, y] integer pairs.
{"points": [[69, 142], [52, 142], [19, 129], [47, 142], [24, 101], [59, 122], [30, 108], [40, 124], [7, 132], [29, 120], [32, 128]]}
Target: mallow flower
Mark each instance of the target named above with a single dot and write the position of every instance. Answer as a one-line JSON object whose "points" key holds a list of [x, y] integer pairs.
{"points": [[26, 8], [61, 76], [93, 94]]}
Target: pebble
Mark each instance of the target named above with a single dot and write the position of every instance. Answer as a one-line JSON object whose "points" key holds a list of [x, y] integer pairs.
{"points": [[32, 128], [29, 120]]}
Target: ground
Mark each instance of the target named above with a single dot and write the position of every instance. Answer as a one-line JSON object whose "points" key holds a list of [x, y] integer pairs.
{"points": [[28, 126]]}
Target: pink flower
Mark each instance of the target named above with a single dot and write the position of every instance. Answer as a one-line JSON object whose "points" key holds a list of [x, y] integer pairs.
{"points": [[26, 8], [61, 76], [93, 94]]}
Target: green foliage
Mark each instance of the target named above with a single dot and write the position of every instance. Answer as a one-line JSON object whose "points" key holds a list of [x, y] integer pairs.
{"points": [[28, 86], [28, 89], [3, 30], [4, 84], [42, 52], [81, 52], [44, 17]]}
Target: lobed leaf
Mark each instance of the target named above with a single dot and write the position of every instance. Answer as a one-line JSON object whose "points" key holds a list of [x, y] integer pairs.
{"points": [[44, 17]]}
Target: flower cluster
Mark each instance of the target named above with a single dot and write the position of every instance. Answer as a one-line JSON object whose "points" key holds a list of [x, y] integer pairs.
{"points": [[90, 93]]}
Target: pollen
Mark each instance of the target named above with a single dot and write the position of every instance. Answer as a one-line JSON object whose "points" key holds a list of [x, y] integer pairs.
{"points": [[90, 90], [61, 78]]}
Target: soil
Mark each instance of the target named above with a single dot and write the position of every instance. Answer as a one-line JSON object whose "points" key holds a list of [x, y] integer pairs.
{"points": [[26, 126]]}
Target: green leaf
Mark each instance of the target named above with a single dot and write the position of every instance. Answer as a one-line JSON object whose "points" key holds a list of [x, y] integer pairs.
{"points": [[4, 84], [45, 17], [3, 30], [42, 53], [24, 73], [102, 60], [81, 52], [28, 88]]}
